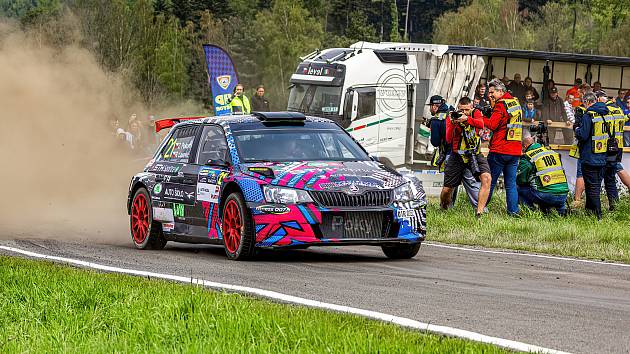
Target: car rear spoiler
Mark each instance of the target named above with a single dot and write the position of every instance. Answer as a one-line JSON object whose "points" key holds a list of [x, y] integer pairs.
{"points": [[169, 122]]}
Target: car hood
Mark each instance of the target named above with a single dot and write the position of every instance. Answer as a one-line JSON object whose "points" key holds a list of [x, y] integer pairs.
{"points": [[357, 176]]}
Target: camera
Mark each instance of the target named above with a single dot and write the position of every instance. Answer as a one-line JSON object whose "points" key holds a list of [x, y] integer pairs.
{"points": [[455, 115], [485, 110], [541, 133], [613, 153], [474, 165]]}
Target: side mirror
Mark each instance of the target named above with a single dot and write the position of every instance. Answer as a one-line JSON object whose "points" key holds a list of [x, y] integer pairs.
{"points": [[218, 163]]}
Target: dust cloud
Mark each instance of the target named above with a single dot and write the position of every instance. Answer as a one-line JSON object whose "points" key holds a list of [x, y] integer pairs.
{"points": [[62, 173]]}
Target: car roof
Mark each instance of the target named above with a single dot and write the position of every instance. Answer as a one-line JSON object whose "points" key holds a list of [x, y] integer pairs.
{"points": [[257, 120]]}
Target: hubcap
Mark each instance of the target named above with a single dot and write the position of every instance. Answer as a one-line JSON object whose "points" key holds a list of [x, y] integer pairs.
{"points": [[140, 219], [232, 226]]}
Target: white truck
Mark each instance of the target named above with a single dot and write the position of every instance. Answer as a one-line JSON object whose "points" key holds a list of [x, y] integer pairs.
{"points": [[378, 91]]}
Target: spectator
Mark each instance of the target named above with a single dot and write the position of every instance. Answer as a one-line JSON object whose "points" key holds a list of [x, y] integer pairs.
{"points": [[125, 138], [114, 125], [575, 92], [626, 134], [568, 108], [621, 102], [506, 141], [547, 89], [553, 111], [541, 183], [259, 101], [597, 86], [239, 103], [516, 88], [531, 115], [529, 87]]}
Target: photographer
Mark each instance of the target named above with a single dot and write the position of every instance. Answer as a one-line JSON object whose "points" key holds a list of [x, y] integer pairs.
{"points": [[541, 179], [462, 133], [440, 115], [506, 124], [599, 152]]}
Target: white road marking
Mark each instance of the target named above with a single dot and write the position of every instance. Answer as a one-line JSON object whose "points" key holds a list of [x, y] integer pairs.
{"points": [[401, 321], [508, 253]]}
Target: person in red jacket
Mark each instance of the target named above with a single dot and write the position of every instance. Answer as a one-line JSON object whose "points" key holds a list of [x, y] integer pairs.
{"points": [[462, 134], [506, 124]]}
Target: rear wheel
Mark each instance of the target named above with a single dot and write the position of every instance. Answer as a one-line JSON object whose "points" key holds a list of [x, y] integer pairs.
{"points": [[401, 251], [145, 233], [238, 229]]}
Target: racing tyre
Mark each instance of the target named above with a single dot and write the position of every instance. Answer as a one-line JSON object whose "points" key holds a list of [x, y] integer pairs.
{"points": [[146, 234], [238, 228], [401, 251]]}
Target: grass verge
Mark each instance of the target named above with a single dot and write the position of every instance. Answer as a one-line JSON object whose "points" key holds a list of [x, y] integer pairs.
{"points": [[46, 307], [577, 235]]}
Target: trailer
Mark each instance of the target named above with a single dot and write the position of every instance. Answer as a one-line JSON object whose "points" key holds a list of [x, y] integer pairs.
{"points": [[378, 91]]}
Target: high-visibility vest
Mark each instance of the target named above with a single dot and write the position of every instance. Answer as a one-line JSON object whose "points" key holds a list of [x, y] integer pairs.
{"points": [[575, 151], [469, 133], [240, 105], [515, 122], [441, 149], [605, 126], [548, 165]]}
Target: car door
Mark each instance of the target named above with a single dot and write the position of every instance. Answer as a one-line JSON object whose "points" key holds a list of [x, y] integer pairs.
{"points": [[213, 160], [176, 177]]}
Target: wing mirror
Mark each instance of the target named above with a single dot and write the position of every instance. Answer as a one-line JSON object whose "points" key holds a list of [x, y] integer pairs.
{"points": [[219, 163]]}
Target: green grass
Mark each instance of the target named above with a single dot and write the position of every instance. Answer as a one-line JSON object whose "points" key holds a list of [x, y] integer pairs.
{"points": [[51, 308], [577, 235]]}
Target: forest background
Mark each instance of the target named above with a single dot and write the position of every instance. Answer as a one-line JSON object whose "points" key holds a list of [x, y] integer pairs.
{"points": [[156, 45]]}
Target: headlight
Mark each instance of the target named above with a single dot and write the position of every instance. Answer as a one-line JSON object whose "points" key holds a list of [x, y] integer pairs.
{"points": [[403, 193], [280, 195]]}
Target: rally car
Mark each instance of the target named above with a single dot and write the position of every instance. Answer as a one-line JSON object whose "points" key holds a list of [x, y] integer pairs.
{"points": [[272, 180]]}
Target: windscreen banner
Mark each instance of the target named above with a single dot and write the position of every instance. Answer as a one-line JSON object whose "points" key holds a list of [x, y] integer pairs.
{"points": [[222, 78]]}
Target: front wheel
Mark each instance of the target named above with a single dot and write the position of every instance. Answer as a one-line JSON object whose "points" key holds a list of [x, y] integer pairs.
{"points": [[401, 251], [238, 228], [145, 233]]}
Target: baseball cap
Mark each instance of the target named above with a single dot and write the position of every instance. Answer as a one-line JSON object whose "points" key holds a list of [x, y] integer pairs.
{"points": [[553, 90], [600, 93], [436, 99]]}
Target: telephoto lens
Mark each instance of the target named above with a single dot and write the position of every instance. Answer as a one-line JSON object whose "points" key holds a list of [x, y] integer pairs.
{"points": [[474, 166]]}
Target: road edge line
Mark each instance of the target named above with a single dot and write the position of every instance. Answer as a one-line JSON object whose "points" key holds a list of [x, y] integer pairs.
{"points": [[401, 321], [525, 254]]}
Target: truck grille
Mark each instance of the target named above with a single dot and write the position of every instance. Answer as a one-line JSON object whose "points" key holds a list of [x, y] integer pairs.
{"points": [[341, 199]]}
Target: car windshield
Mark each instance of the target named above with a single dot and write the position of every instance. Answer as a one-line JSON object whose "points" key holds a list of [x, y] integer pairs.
{"points": [[291, 144], [321, 101]]}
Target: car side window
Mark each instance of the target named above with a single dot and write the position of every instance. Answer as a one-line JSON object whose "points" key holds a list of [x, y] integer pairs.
{"points": [[179, 146], [212, 145]]}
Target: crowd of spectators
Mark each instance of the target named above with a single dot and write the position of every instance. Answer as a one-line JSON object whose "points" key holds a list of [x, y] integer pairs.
{"points": [[139, 137]]}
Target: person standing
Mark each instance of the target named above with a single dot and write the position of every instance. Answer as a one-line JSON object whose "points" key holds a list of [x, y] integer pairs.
{"points": [[541, 178], [516, 88], [593, 156], [239, 103], [553, 111], [529, 86], [506, 123], [575, 92], [462, 133], [440, 114], [259, 101]]}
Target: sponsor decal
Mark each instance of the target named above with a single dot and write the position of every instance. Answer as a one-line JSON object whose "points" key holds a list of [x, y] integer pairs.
{"points": [[273, 209], [158, 188], [208, 192], [224, 81], [163, 214], [547, 178], [168, 226], [177, 193], [333, 185], [405, 214], [162, 168], [178, 210]]}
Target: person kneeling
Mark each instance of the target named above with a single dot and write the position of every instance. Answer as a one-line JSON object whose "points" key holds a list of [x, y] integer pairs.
{"points": [[462, 133], [541, 179]]}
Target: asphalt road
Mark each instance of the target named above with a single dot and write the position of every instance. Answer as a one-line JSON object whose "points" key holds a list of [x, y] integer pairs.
{"points": [[558, 304]]}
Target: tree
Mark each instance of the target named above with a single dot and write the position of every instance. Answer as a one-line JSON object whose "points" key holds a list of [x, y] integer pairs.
{"points": [[394, 34], [284, 32]]}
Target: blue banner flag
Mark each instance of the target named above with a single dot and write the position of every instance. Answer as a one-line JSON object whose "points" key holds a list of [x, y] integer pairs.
{"points": [[222, 78]]}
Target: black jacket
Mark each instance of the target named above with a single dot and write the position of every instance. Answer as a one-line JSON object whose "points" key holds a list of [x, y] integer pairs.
{"points": [[260, 104]]}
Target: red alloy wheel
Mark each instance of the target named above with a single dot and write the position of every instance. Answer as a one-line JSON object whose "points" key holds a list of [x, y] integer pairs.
{"points": [[232, 226], [140, 219]]}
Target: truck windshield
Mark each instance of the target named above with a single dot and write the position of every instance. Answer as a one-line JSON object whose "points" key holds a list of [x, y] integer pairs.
{"points": [[321, 101], [291, 144]]}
